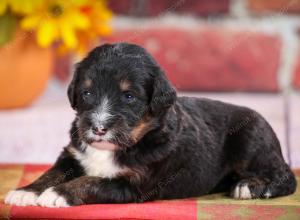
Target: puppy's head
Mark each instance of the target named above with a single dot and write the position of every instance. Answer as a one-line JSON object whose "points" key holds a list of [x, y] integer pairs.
{"points": [[118, 91]]}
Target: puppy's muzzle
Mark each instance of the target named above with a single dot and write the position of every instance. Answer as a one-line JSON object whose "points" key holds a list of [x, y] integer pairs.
{"points": [[99, 130]]}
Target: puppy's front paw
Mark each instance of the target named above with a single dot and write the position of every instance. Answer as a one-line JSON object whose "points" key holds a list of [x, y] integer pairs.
{"points": [[50, 198], [21, 198]]}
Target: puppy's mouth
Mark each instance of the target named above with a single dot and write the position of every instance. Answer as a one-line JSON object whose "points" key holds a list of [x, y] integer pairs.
{"points": [[112, 140], [100, 142], [103, 145]]}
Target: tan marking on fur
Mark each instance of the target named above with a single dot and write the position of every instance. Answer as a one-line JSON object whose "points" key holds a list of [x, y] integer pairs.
{"points": [[88, 83], [124, 85], [137, 132], [141, 129], [71, 149], [134, 175], [76, 186]]}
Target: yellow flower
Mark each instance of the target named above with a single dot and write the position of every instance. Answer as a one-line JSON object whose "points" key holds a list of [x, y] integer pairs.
{"points": [[24, 7], [3, 6], [100, 17], [57, 20], [19, 6]]}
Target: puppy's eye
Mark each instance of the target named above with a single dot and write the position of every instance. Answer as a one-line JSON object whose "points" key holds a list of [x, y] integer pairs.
{"points": [[128, 96], [86, 93]]}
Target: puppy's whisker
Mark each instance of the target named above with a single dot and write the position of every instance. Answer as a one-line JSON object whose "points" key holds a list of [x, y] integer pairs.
{"points": [[124, 138], [121, 138], [74, 132]]}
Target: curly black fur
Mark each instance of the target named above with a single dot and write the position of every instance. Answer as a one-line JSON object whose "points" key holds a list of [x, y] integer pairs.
{"points": [[185, 147]]}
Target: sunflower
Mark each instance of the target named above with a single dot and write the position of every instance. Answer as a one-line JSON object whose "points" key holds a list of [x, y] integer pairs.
{"points": [[57, 20]]}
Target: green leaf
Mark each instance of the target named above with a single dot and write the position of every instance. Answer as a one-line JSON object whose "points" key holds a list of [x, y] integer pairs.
{"points": [[7, 27]]}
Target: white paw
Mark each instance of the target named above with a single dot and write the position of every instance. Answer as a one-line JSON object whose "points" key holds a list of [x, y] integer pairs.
{"points": [[242, 192], [268, 194], [21, 198], [49, 198]]}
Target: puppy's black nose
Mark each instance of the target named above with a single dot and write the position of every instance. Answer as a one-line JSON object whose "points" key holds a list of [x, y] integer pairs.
{"points": [[101, 130]]}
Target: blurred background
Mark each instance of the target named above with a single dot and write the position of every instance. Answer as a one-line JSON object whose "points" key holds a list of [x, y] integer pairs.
{"points": [[244, 52]]}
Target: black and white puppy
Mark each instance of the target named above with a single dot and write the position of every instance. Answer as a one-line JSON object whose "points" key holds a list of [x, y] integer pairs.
{"points": [[134, 140]]}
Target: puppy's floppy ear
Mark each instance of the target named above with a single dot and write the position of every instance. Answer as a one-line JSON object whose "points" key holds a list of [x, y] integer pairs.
{"points": [[71, 90], [164, 95]]}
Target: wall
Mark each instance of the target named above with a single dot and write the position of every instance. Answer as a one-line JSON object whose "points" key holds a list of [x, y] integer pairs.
{"points": [[223, 45]]}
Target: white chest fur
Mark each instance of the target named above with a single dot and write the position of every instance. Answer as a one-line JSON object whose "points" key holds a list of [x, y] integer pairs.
{"points": [[98, 162]]}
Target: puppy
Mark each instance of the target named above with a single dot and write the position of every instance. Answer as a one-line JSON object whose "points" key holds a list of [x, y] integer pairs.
{"points": [[134, 140]]}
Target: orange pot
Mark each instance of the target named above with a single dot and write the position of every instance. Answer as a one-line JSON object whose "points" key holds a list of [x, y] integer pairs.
{"points": [[24, 70]]}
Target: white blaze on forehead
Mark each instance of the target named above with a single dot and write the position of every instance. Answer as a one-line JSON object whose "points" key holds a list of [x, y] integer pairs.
{"points": [[102, 113]]}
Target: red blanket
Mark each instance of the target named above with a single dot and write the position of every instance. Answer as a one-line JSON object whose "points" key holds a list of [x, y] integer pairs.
{"points": [[215, 206]]}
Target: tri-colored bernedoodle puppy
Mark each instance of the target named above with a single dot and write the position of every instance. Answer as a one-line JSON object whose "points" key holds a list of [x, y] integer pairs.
{"points": [[134, 140]]}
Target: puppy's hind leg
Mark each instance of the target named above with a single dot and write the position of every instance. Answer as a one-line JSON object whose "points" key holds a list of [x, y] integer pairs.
{"points": [[274, 184], [263, 175], [256, 158]]}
